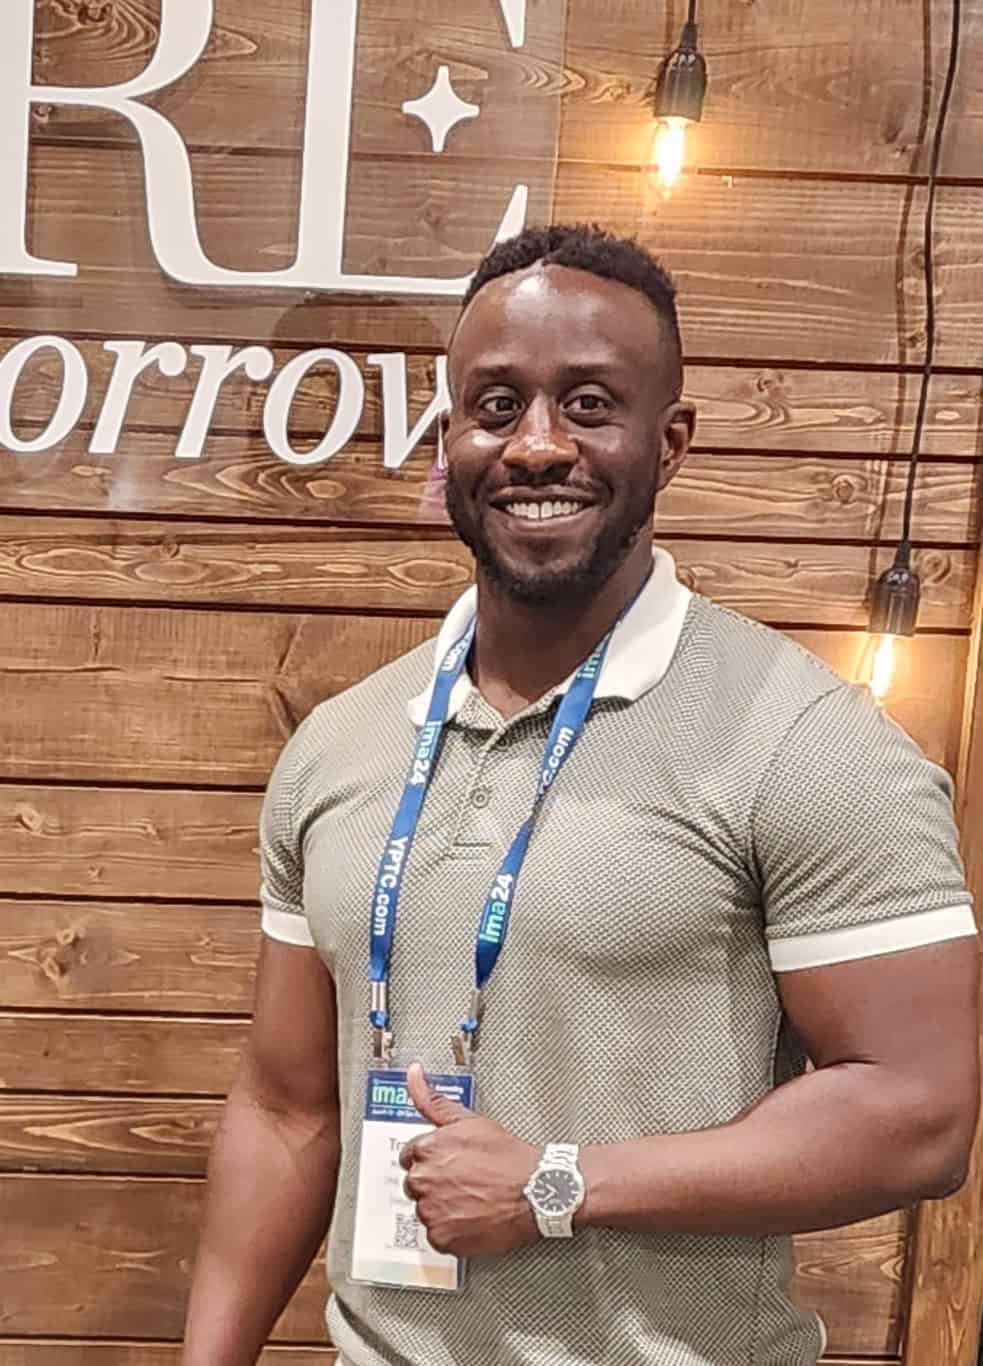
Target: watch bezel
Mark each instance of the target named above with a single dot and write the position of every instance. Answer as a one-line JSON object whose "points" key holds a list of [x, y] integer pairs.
{"points": [[544, 1169]]}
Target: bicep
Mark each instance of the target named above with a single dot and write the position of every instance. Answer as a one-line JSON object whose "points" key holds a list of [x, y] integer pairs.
{"points": [[290, 1059], [915, 1012]]}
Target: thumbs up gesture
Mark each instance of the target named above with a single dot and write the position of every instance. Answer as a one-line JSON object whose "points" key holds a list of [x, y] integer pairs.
{"points": [[467, 1178]]}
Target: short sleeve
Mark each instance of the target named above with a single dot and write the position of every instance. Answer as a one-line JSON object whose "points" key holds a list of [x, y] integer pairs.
{"points": [[281, 856], [854, 841]]}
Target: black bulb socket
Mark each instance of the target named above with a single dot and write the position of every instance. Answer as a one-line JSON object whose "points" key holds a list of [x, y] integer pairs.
{"points": [[894, 608], [681, 87]]}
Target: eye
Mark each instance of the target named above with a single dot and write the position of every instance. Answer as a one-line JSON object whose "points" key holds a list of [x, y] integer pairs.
{"points": [[589, 405], [497, 408]]}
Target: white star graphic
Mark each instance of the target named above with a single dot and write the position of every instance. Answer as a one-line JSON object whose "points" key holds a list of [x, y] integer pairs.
{"points": [[441, 109]]}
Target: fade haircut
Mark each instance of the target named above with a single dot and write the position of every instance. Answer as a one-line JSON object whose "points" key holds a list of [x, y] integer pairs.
{"points": [[585, 246]]}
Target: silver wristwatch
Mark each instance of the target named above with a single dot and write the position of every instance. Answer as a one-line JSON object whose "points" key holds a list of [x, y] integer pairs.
{"points": [[555, 1190]]}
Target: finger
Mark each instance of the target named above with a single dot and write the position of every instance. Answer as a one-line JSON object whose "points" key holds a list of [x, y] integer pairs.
{"points": [[435, 1108], [408, 1155]]}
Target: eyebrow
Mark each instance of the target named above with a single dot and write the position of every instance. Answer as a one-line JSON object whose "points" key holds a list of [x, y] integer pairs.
{"points": [[573, 372]]}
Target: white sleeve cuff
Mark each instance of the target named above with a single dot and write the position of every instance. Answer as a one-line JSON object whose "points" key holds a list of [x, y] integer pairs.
{"points": [[287, 926], [867, 941]]}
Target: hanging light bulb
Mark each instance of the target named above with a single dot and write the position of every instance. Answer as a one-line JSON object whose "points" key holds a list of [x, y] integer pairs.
{"points": [[894, 613], [679, 94], [894, 607], [669, 150], [882, 667]]}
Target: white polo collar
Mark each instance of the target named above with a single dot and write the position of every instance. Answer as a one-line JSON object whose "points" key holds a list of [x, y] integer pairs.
{"points": [[638, 657]]}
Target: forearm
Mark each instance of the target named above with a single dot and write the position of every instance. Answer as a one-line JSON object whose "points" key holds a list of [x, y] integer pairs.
{"points": [[829, 1148], [271, 1191]]}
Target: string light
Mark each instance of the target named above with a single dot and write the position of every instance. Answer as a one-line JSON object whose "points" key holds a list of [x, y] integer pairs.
{"points": [[680, 90], [894, 606]]}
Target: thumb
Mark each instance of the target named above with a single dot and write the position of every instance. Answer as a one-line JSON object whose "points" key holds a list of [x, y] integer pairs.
{"points": [[435, 1108]]}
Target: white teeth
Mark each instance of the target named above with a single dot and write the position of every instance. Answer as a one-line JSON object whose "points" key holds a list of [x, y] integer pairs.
{"points": [[539, 512]]}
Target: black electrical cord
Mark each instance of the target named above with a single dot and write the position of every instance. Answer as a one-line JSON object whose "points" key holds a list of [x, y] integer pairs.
{"points": [[692, 12], [929, 258]]}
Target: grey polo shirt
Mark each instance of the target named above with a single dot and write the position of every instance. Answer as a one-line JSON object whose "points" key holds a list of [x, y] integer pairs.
{"points": [[733, 810]]}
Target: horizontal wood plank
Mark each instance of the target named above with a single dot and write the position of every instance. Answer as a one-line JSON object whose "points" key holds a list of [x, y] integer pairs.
{"points": [[830, 412], [85, 842], [106, 1135], [90, 955], [732, 494], [746, 287], [210, 697], [248, 88], [180, 687], [351, 571], [836, 289], [120, 1054], [822, 103], [121, 842], [111, 1256], [34, 1351], [37, 1352]]}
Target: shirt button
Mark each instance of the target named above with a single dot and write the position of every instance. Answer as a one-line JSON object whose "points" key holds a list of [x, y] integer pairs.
{"points": [[481, 796]]}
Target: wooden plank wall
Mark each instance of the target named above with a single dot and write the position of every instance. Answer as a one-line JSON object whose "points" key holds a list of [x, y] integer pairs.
{"points": [[167, 623]]}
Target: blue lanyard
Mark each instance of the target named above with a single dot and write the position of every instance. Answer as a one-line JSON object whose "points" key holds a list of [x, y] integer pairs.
{"points": [[567, 727]]}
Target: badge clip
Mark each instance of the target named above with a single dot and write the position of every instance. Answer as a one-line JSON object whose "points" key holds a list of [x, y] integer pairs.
{"points": [[462, 1047], [465, 1039], [382, 1044], [382, 1035]]}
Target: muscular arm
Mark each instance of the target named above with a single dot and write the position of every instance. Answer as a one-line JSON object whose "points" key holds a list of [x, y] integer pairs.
{"points": [[886, 1119], [273, 1167]]}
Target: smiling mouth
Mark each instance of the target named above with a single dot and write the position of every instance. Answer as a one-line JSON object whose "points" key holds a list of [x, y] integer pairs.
{"points": [[558, 509]]}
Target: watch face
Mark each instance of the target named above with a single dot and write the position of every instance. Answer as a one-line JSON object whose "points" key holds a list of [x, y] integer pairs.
{"points": [[555, 1191]]}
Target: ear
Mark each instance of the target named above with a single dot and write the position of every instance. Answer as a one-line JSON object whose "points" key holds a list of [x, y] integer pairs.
{"points": [[680, 424]]}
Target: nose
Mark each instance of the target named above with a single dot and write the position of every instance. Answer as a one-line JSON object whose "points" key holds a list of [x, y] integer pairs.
{"points": [[539, 446]]}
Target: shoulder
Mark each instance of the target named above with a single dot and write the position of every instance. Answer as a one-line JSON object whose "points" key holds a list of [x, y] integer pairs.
{"points": [[750, 675], [340, 729]]}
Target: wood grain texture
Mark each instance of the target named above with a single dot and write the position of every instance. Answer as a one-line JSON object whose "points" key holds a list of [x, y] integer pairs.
{"points": [[732, 494], [180, 687], [104, 1255], [348, 571], [37, 1352], [845, 286], [248, 88], [124, 842], [211, 697], [822, 103], [104, 1135], [792, 84], [829, 412], [86, 955], [119, 1054]]}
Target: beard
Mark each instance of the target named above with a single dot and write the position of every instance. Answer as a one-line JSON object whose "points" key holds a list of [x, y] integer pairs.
{"points": [[537, 584]]}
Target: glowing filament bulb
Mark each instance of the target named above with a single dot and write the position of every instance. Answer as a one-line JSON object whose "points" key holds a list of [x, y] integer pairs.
{"points": [[669, 150], [882, 668]]}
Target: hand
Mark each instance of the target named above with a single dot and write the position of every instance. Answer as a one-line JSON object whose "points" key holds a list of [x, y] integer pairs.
{"points": [[467, 1178]]}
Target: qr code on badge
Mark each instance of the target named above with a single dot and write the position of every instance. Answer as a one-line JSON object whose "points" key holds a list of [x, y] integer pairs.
{"points": [[406, 1235]]}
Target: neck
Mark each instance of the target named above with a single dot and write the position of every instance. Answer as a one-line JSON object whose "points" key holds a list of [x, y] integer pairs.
{"points": [[521, 651]]}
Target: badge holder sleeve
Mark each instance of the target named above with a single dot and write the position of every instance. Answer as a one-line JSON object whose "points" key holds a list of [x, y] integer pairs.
{"points": [[390, 1246]]}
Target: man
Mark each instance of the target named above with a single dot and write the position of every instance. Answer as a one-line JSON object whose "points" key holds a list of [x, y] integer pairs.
{"points": [[737, 861]]}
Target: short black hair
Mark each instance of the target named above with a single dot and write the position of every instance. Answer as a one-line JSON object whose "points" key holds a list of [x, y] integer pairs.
{"points": [[585, 246]]}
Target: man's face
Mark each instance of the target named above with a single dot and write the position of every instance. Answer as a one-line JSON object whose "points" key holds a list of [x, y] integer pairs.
{"points": [[564, 426]]}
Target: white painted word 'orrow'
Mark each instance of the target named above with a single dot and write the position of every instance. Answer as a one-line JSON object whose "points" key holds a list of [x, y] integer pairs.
{"points": [[218, 363]]}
